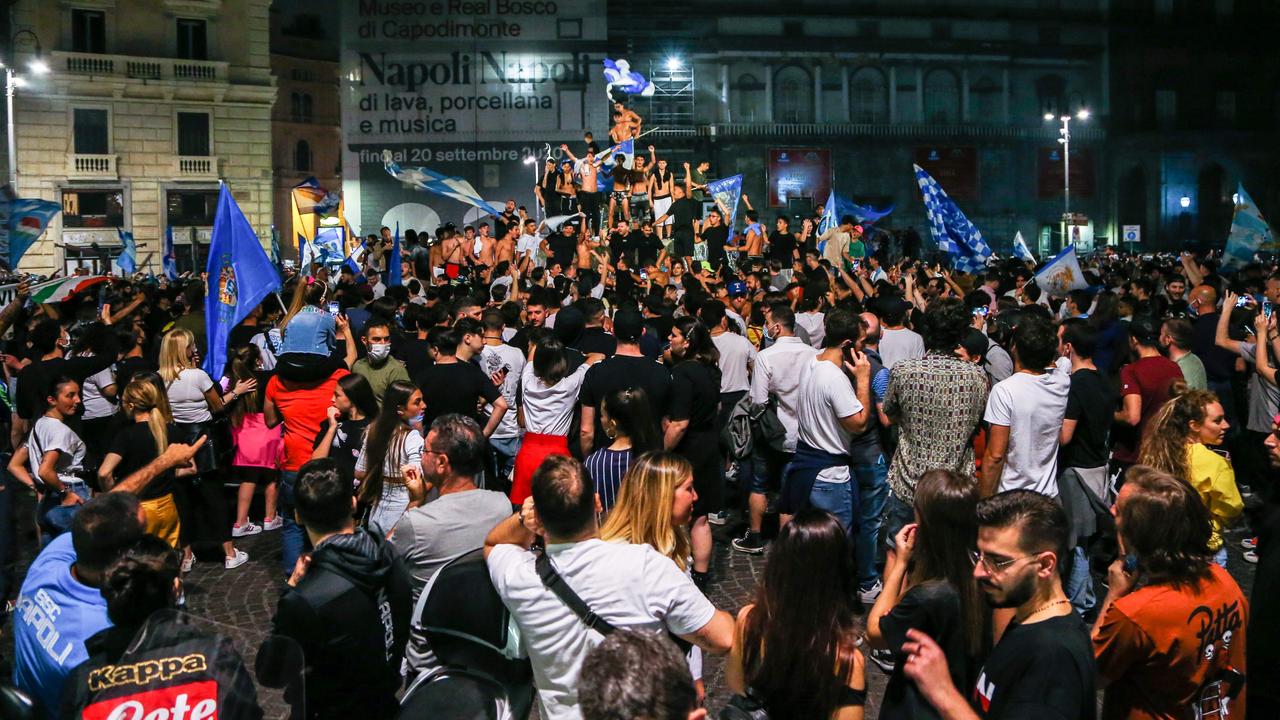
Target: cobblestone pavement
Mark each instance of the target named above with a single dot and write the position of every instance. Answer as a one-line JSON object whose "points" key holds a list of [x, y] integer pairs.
{"points": [[240, 603]]}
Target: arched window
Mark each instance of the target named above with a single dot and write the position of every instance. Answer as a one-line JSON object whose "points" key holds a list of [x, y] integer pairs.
{"points": [[302, 156], [985, 104], [305, 115], [793, 95], [941, 97], [749, 92], [869, 96]]}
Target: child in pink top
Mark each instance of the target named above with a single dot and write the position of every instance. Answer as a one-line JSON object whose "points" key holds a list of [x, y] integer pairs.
{"points": [[258, 449]]}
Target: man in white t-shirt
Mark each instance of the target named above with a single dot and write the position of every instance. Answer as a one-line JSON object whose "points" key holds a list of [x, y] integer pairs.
{"points": [[630, 587], [502, 361], [737, 355], [831, 411], [1025, 413], [897, 341]]}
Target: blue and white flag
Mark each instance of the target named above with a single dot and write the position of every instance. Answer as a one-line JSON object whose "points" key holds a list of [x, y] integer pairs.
{"points": [[1062, 274], [1020, 249], [22, 222], [127, 262], [437, 184], [395, 271], [727, 193], [1249, 232], [169, 257], [326, 249], [240, 276], [951, 230], [356, 258], [838, 206], [619, 76], [625, 150]]}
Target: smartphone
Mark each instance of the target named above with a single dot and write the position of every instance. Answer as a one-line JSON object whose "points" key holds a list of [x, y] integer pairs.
{"points": [[1130, 563], [644, 275], [333, 308], [1242, 301], [856, 264], [1266, 309], [982, 311]]}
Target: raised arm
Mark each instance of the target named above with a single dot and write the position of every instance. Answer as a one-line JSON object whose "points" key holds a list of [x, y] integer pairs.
{"points": [[1221, 338]]}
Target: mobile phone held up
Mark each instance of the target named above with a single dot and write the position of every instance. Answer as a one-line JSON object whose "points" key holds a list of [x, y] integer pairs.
{"points": [[333, 308]]}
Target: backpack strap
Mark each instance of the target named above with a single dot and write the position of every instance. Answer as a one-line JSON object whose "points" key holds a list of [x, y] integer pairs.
{"points": [[556, 584]]}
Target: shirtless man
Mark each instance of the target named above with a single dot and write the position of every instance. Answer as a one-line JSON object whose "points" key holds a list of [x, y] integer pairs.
{"points": [[663, 180], [753, 235], [454, 255], [620, 131], [629, 118], [505, 248], [588, 246], [637, 207], [588, 168], [488, 245]]}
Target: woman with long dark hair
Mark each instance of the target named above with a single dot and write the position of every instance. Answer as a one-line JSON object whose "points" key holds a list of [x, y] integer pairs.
{"points": [[929, 586], [258, 449], [354, 407], [549, 392], [56, 454], [390, 465], [1177, 441], [626, 417], [796, 649], [691, 430]]}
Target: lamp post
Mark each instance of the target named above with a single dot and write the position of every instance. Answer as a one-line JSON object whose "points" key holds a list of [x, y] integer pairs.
{"points": [[1064, 137], [13, 81]]}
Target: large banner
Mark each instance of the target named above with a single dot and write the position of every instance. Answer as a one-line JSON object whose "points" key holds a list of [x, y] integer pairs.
{"points": [[798, 172], [471, 88], [955, 169], [1049, 167]]}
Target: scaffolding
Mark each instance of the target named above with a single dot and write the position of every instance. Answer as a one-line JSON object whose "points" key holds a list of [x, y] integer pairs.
{"points": [[671, 104]]}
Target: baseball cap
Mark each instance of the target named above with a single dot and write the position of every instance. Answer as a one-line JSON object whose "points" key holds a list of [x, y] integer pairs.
{"points": [[737, 288], [628, 325]]}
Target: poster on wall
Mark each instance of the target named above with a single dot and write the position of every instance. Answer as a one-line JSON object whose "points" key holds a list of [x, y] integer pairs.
{"points": [[798, 172], [955, 169], [476, 89], [1049, 168]]}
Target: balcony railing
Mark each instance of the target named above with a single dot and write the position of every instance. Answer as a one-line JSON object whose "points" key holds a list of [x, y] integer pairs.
{"points": [[877, 130], [188, 166], [81, 166], [138, 68]]}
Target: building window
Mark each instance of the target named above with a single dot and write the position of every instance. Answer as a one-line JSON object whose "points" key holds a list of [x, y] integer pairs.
{"points": [[302, 75], [750, 94], [300, 107], [91, 133], [1225, 106], [192, 207], [193, 134], [88, 31], [941, 97], [869, 96], [793, 96], [1051, 90], [1166, 108], [92, 208], [193, 42], [302, 156], [985, 104]]}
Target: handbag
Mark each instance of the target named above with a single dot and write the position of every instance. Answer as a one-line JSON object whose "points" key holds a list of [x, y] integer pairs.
{"points": [[744, 707], [766, 427]]}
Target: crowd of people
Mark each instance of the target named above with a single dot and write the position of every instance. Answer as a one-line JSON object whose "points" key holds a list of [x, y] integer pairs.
{"points": [[1005, 500]]}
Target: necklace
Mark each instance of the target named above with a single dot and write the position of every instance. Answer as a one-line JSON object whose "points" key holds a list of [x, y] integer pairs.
{"points": [[1046, 606]]}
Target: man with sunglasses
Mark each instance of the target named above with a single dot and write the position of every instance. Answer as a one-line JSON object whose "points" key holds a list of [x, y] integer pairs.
{"points": [[1043, 664]]}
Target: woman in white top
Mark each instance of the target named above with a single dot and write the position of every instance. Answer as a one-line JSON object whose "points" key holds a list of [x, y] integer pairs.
{"points": [[193, 397], [56, 455], [548, 393], [394, 485]]}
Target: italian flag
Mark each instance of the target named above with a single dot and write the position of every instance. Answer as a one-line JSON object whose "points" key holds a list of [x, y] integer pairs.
{"points": [[59, 289]]}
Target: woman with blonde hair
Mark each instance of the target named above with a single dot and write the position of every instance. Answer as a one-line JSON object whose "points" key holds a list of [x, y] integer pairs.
{"points": [[194, 398], [143, 440], [1177, 441]]}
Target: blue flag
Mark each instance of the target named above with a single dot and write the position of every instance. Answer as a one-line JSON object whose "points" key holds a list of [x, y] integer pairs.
{"points": [[356, 257], [127, 262], [394, 276], [240, 276], [1249, 232], [619, 76], [838, 206], [951, 230], [169, 258], [727, 192], [275, 246], [1020, 249], [22, 222], [437, 184], [326, 249]]}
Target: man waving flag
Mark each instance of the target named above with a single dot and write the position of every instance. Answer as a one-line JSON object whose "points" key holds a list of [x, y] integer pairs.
{"points": [[240, 276]]}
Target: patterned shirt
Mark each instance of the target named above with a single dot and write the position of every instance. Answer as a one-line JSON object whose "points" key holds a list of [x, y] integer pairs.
{"points": [[936, 401]]}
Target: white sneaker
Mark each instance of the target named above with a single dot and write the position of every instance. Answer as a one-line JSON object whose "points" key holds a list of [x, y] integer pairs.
{"points": [[718, 518], [241, 557], [870, 594], [248, 528], [1249, 543], [187, 562], [274, 523]]}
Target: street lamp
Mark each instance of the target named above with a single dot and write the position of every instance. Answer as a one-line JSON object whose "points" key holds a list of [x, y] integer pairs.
{"points": [[13, 81], [1064, 137]]}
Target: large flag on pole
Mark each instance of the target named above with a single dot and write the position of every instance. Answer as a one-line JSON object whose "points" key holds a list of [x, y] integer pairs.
{"points": [[435, 183], [22, 222], [1062, 274], [356, 258], [837, 206], [395, 273], [310, 204], [275, 246], [127, 262], [727, 193], [1249, 232], [1020, 249], [326, 248], [951, 230], [240, 276], [619, 76], [169, 258]]}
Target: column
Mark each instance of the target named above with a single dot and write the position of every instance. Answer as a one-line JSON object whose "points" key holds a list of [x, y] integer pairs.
{"points": [[964, 95], [847, 114], [817, 93], [768, 93], [1004, 95], [920, 94], [893, 95], [725, 112]]}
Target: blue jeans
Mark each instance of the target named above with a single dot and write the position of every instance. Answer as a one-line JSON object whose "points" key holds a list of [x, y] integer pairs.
{"points": [[1220, 556], [293, 539], [839, 499], [1079, 588], [503, 457], [873, 492], [897, 514]]}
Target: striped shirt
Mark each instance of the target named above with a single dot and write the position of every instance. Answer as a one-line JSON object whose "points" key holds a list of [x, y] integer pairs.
{"points": [[606, 469]]}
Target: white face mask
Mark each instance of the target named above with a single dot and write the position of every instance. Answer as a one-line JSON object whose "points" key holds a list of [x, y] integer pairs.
{"points": [[379, 351]]}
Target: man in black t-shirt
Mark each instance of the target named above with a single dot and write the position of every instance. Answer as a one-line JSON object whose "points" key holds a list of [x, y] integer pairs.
{"points": [[628, 369], [564, 246], [645, 243], [1043, 666], [716, 235], [454, 384], [684, 224], [783, 244]]}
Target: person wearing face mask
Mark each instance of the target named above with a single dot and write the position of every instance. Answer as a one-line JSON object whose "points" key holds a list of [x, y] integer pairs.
{"points": [[378, 367], [389, 468]]}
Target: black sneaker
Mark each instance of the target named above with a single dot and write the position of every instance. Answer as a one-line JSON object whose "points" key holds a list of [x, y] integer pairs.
{"points": [[701, 580], [750, 543], [884, 658]]}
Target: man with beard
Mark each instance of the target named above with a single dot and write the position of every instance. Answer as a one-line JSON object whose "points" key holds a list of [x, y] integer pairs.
{"points": [[1043, 664]]}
